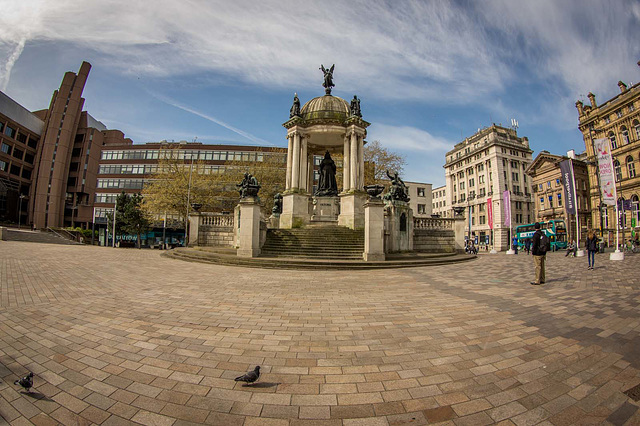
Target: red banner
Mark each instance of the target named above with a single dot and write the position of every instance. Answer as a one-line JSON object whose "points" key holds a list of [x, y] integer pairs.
{"points": [[490, 212]]}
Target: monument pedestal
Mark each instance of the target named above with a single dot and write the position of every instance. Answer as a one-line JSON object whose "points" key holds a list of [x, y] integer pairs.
{"points": [[373, 230], [249, 228], [400, 217], [352, 210], [295, 210], [325, 209]]}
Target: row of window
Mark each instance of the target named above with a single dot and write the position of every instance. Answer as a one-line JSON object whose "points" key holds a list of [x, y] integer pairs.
{"points": [[19, 136], [15, 170], [624, 135], [439, 194], [17, 153], [439, 204], [121, 183], [619, 114], [630, 166], [180, 154]]}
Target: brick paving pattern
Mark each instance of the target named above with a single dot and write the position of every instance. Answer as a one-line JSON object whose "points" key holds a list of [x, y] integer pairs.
{"points": [[125, 336]]}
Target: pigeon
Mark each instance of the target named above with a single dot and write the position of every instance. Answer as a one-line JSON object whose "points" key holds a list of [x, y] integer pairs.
{"points": [[250, 376], [26, 382]]}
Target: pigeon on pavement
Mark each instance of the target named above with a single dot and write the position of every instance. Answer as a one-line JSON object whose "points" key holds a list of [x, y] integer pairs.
{"points": [[250, 377], [26, 382]]}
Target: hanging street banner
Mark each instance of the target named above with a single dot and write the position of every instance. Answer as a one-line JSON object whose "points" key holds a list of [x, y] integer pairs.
{"points": [[566, 168], [490, 212], [506, 200], [605, 169]]}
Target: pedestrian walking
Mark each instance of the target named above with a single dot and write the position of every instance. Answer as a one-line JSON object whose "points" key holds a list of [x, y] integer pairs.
{"points": [[592, 247], [539, 249], [515, 244], [527, 245]]}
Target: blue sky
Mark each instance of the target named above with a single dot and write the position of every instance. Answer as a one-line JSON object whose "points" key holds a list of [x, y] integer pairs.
{"points": [[428, 73]]}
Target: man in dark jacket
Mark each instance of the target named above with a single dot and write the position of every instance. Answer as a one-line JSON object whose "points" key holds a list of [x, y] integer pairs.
{"points": [[538, 256]]}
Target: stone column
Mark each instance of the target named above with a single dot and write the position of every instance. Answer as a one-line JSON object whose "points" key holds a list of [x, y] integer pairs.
{"points": [[353, 163], [289, 160], [249, 229], [304, 161], [373, 230], [360, 162], [346, 171], [459, 231], [310, 174], [295, 165], [194, 223]]}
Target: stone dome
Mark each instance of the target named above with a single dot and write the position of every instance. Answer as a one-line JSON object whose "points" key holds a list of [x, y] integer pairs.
{"points": [[326, 107]]}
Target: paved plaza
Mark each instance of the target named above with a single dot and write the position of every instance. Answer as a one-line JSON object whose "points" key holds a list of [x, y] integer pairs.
{"points": [[126, 336]]}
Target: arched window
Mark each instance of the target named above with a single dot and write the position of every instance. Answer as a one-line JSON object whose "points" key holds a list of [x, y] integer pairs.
{"points": [[636, 125], [618, 170], [622, 216], [614, 142], [635, 209], [625, 135], [631, 168]]}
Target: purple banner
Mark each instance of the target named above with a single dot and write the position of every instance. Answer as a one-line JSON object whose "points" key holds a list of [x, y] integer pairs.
{"points": [[506, 200], [566, 168]]}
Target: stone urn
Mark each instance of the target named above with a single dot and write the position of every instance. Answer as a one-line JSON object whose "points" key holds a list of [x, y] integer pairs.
{"points": [[374, 190], [252, 190]]}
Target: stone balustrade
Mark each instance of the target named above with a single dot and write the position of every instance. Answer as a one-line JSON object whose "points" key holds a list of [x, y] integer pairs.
{"points": [[433, 223], [216, 220]]}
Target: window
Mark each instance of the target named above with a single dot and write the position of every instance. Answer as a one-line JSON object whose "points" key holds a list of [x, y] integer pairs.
{"points": [[10, 132], [26, 174], [541, 203], [549, 184], [6, 148], [481, 179], [618, 170], [33, 143], [471, 183], [3, 166], [625, 135], [614, 142], [73, 167], [76, 152], [619, 113], [15, 170], [420, 192], [22, 138], [605, 217], [635, 209], [558, 182], [540, 186], [559, 200], [28, 158], [18, 153], [631, 168], [514, 176], [483, 220], [550, 201], [636, 126], [422, 208]]}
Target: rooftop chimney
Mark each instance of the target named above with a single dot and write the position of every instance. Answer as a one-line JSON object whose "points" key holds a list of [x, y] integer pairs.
{"points": [[592, 98], [622, 86], [580, 107]]}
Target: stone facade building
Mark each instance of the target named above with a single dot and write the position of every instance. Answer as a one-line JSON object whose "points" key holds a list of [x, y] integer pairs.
{"points": [[480, 169], [617, 119], [548, 191], [439, 202], [420, 198]]}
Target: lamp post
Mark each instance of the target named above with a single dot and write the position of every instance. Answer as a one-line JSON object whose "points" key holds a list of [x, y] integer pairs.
{"points": [[186, 222], [22, 197]]}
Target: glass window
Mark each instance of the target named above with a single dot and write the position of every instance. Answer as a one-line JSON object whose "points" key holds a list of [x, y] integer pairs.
{"points": [[6, 148], [618, 170], [625, 135], [420, 192], [559, 200], [550, 201], [9, 131], [631, 168], [614, 142], [637, 127], [18, 153]]}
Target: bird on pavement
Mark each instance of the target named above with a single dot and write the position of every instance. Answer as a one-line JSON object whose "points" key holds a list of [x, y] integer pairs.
{"points": [[26, 382], [250, 377]]}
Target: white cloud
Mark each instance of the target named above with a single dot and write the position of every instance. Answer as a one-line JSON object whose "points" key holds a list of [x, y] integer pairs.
{"points": [[409, 139]]}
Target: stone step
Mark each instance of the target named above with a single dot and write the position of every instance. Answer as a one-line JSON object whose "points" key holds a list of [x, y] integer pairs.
{"points": [[37, 237], [213, 257], [318, 242]]}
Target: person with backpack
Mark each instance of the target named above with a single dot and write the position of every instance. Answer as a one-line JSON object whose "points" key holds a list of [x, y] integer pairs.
{"points": [[592, 247], [539, 250]]}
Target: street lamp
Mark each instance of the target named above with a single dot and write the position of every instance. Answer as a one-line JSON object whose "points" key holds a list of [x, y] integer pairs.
{"points": [[22, 197]]}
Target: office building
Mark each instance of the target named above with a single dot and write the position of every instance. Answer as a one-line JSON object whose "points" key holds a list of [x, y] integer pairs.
{"points": [[439, 202], [478, 171]]}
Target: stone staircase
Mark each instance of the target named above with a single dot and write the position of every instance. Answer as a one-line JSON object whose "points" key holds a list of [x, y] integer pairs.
{"points": [[37, 237], [315, 242]]}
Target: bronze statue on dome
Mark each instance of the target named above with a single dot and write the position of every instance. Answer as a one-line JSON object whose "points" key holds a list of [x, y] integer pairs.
{"points": [[328, 78], [295, 108], [355, 107]]}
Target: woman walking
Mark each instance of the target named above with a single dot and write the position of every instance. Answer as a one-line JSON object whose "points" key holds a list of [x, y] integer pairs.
{"points": [[592, 247]]}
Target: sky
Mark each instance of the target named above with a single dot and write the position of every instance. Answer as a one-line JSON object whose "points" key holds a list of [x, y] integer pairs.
{"points": [[429, 73]]}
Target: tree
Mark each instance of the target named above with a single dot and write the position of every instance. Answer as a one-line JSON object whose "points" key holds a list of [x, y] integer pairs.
{"points": [[136, 221], [130, 218], [380, 160]]}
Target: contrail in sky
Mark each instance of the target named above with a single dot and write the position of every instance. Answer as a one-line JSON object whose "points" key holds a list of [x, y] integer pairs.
{"points": [[242, 133], [11, 60]]}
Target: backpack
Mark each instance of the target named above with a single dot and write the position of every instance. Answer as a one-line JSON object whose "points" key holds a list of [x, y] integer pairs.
{"points": [[545, 244]]}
